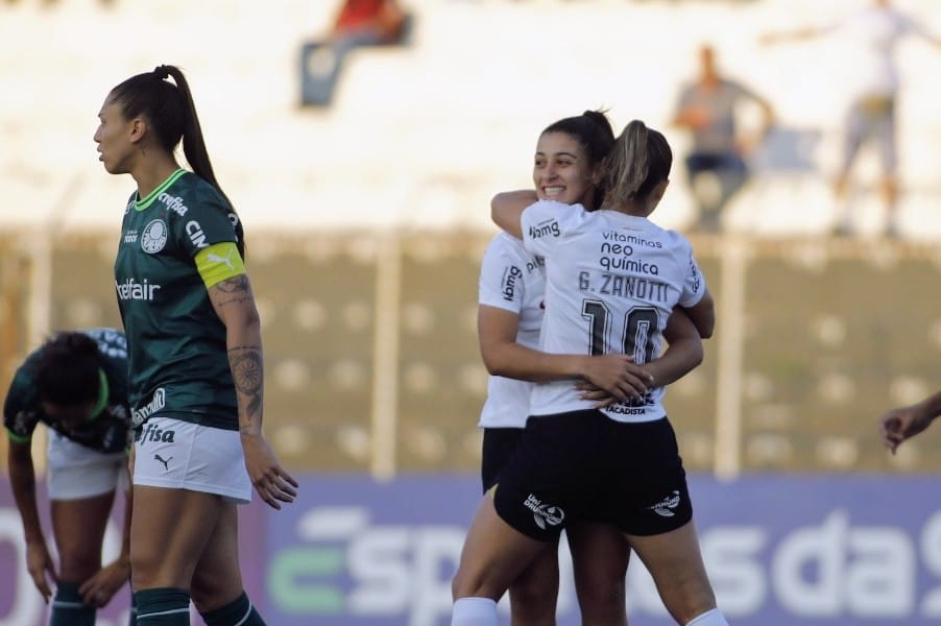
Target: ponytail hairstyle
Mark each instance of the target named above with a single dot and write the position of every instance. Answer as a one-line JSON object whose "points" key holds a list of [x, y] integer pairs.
{"points": [[640, 160], [171, 115], [67, 371], [593, 131]]}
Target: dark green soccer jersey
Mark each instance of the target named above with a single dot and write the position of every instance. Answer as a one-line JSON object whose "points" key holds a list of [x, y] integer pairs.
{"points": [[106, 430], [177, 354]]}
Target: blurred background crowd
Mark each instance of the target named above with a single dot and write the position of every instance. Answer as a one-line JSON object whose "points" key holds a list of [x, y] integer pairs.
{"points": [[362, 150]]}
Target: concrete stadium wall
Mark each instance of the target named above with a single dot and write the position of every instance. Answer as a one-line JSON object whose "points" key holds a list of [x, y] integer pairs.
{"points": [[828, 335]]}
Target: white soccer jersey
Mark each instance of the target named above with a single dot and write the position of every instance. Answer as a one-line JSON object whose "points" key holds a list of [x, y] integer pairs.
{"points": [[874, 33], [511, 279], [612, 281]]}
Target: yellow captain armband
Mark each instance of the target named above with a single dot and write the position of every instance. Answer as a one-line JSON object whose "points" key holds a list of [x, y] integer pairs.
{"points": [[219, 262]]}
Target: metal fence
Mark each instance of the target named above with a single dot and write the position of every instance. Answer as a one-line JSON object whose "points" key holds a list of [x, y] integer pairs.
{"points": [[372, 361]]}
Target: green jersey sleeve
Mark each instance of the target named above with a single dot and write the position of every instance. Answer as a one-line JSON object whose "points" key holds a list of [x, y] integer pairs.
{"points": [[19, 408], [208, 221]]}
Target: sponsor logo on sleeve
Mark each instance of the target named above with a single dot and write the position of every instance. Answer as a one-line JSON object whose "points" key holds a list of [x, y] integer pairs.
{"points": [[235, 224], [548, 228], [695, 275], [534, 264], [196, 234], [511, 275]]}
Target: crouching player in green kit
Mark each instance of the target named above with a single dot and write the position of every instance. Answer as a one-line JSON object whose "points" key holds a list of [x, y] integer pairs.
{"points": [[75, 384]]}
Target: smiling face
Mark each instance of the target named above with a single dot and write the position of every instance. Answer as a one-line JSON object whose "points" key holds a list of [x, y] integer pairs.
{"points": [[561, 171], [116, 138]]}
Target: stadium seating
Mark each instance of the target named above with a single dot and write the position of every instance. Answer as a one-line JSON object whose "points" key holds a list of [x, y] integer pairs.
{"points": [[417, 141], [466, 98]]}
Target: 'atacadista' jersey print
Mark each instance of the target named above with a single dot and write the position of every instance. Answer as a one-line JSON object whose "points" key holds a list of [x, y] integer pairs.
{"points": [[106, 430], [176, 343]]}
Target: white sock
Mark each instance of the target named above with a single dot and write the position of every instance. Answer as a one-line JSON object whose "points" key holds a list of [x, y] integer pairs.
{"points": [[710, 618], [474, 612]]}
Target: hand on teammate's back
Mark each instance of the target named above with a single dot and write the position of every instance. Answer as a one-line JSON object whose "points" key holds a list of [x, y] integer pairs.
{"points": [[616, 375]]}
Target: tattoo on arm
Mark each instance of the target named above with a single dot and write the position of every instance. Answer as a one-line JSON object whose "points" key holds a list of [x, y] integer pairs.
{"points": [[248, 374], [236, 289]]}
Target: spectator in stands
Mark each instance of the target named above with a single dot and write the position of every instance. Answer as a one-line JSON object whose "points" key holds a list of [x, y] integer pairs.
{"points": [[358, 23], [707, 108], [875, 31]]}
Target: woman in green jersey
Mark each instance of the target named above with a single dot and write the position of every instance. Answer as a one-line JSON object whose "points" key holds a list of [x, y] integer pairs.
{"points": [[194, 358], [76, 385]]}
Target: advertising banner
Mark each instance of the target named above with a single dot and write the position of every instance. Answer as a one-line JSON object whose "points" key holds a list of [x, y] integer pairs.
{"points": [[780, 550], [814, 550]]}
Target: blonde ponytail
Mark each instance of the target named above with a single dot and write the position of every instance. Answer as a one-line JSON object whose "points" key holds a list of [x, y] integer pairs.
{"points": [[640, 160]]}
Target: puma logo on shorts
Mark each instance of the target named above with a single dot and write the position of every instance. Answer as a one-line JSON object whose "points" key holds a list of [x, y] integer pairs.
{"points": [[166, 463]]}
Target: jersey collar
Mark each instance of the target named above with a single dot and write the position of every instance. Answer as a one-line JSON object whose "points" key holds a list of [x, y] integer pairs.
{"points": [[103, 392], [144, 203]]}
